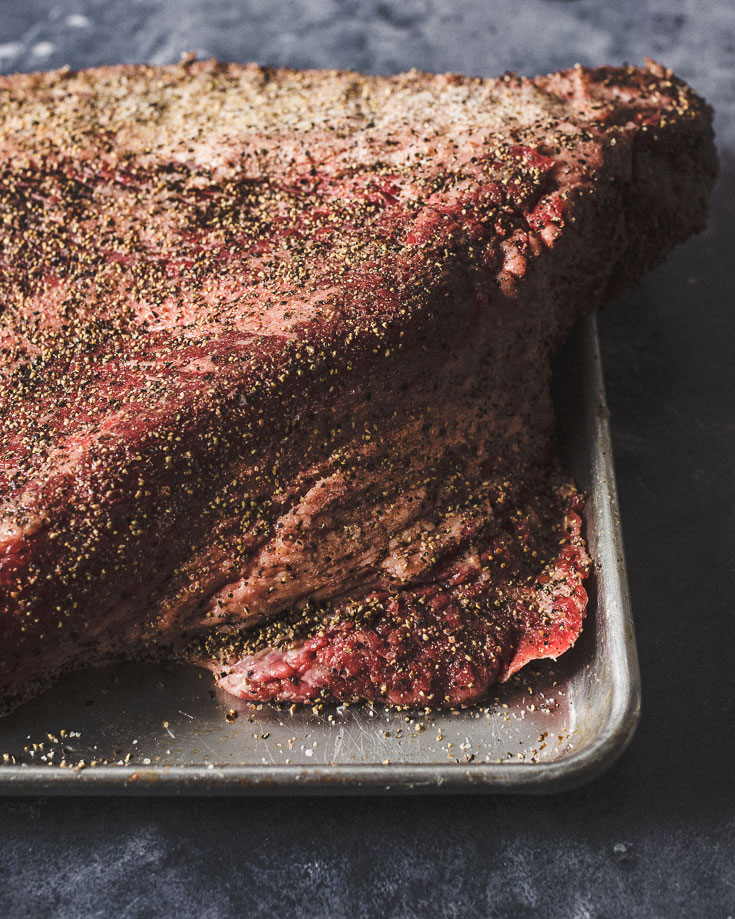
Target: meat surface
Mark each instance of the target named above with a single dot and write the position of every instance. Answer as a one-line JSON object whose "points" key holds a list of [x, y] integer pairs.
{"points": [[275, 355]]}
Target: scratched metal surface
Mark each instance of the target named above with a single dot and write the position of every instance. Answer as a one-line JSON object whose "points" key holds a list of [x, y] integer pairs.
{"points": [[162, 729]]}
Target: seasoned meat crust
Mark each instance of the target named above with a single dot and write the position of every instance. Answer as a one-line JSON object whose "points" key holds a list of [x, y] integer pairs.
{"points": [[275, 352]]}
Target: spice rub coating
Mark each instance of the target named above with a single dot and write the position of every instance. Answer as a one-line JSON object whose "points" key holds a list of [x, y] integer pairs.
{"points": [[274, 341]]}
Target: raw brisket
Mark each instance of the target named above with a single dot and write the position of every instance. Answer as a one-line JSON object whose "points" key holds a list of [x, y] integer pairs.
{"points": [[275, 356]]}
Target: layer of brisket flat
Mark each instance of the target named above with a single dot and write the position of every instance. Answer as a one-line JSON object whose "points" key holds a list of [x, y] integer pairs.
{"points": [[275, 357]]}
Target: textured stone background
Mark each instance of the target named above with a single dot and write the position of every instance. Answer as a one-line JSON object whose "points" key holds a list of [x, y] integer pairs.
{"points": [[656, 836]]}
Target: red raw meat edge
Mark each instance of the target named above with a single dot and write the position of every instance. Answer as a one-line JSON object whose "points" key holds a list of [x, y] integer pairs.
{"points": [[445, 643]]}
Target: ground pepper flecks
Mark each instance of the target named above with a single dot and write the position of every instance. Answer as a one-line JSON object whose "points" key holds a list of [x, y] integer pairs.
{"points": [[275, 344]]}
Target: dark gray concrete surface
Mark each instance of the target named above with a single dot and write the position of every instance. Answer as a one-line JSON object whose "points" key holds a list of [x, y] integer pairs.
{"points": [[656, 835]]}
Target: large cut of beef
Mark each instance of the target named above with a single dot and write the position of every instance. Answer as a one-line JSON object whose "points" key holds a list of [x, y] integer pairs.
{"points": [[275, 357]]}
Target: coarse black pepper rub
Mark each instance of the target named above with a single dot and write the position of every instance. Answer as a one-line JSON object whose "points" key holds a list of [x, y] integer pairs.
{"points": [[276, 346]]}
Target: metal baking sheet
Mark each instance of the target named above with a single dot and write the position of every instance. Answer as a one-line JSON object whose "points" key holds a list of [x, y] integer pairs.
{"points": [[162, 729]]}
